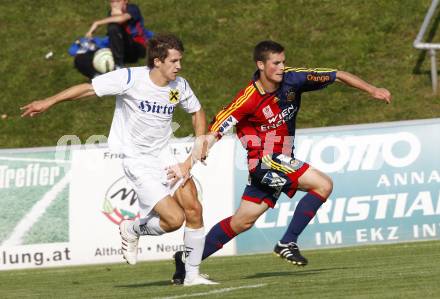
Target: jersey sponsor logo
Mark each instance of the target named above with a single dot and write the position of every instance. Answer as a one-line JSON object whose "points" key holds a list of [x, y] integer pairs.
{"points": [[280, 119], [268, 112], [318, 78], [227, 124], [174, 96], [147, 106]]}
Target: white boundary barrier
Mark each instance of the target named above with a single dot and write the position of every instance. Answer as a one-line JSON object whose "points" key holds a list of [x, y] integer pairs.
{"points": [[93, 237]]}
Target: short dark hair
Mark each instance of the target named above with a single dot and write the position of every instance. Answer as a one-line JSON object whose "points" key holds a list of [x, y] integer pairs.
{"points": [[159, 45], [264, 48]]}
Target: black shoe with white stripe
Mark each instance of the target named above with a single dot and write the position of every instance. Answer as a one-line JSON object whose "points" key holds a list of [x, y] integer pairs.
{"points": [[290, 252], [179, 274]]}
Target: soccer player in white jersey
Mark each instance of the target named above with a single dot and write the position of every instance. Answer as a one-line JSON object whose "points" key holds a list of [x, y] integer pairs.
{"points": [[146, 98]]}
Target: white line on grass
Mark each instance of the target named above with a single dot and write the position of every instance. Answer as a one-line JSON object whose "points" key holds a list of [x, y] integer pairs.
{"points": [[34, 160], [219, 291], [35, 213]]}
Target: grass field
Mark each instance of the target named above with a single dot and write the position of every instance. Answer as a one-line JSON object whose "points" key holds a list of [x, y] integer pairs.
{"points": [[370, 38], [409, 270]]}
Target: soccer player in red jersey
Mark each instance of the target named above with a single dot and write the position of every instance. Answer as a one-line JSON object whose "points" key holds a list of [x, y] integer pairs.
{"points": [[264, 114]]}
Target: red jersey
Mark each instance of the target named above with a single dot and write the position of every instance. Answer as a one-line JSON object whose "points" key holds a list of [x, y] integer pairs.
{"points": [[266, 122]]}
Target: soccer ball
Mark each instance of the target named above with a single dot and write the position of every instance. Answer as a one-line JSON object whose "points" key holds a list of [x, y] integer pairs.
{"points": [[103, 60]]}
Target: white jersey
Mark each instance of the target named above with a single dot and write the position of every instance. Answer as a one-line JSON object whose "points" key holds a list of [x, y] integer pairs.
{"points": [[144, 111]]}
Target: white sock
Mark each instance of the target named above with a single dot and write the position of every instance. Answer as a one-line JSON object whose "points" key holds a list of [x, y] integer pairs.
{"points": [[147, 226], [194, 240]]}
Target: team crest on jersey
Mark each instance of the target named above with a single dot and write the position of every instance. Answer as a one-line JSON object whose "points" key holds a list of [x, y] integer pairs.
{"points": [[290, 95], [174, 96], [268, 113]]}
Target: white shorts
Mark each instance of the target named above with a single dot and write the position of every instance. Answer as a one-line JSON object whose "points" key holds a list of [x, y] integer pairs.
{"points": [[147, 176]]}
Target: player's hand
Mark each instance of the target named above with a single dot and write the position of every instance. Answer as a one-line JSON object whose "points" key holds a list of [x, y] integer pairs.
{"points": [[382, 94], [92, 29], [205, 151], [34, 108], [177, 172], [200, 150]]}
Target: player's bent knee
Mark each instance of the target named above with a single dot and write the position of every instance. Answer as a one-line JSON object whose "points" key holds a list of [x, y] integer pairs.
{"points": [[325, 188], [247, 225], [328, 187], [240, 226]]}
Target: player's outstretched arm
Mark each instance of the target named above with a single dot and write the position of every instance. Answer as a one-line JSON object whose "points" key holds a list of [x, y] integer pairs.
{"points": [[121, 18], [354, 81], [118, 15], [73, 93]]}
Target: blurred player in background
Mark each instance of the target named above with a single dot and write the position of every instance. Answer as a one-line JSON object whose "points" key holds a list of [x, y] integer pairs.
{"points": [[125, 28], [264, 114], [127, 38], [146, 98]]}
